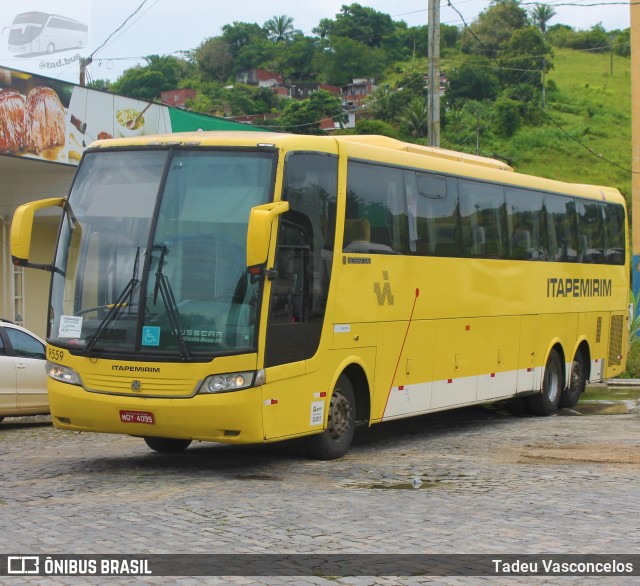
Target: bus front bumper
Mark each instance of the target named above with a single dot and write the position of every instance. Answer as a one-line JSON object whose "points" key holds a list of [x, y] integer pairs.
{"points": [[234, 417]]}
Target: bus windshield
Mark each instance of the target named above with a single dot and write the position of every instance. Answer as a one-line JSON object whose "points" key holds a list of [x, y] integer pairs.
{"points": [[158, 266]]}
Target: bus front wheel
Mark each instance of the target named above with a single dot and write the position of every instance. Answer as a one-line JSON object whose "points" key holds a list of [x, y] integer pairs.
{"points": [[335, 440], [167, 445], [546, 402]]}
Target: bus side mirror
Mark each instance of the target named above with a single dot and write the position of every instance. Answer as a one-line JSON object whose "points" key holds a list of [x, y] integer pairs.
{"points": [[22, 227], [259, 230]]}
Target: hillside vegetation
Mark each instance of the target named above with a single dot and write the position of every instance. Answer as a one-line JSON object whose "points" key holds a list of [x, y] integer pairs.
{"points": [[592, 105], [550, 100]]}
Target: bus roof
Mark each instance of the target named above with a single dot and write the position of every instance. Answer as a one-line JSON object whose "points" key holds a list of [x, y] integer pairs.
{"points": [[392, 143], [380, 148]]}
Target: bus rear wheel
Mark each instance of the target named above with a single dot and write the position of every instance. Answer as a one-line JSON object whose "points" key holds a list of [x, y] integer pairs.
{"points": [[167, 445], [577, 382], [335, 440], [546, 401]]}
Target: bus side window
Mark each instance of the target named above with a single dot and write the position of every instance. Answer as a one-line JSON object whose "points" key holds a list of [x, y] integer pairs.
{"points": [[436, 217], [590, 232], [561, 227], [614, 234], [526, 224], [482, 217], [377, 194]]}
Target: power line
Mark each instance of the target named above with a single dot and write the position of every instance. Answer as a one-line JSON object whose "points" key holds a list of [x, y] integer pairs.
{"points": [[545, 114], [119, 28]]}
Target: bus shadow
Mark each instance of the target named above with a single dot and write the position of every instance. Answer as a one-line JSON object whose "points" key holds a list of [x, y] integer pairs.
{"points": [[265, 461], [388, 434]]}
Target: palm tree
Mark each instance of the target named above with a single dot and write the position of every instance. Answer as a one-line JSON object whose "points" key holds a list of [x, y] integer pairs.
{"points": [[416, 117], [382, 104], [541, 14], [280, 28]]}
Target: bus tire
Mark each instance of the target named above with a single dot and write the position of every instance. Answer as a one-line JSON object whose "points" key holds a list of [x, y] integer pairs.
{"points": [[546, 401], [335, 440], [577, 382], [167, 445]]}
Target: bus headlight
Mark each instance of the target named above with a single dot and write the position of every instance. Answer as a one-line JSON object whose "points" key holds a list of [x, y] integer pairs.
{"points": [[63, 374], [233, 381]]}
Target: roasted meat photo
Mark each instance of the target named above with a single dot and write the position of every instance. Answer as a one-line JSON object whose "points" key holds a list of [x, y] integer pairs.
{"points": [[46, 119], [14, 126]]}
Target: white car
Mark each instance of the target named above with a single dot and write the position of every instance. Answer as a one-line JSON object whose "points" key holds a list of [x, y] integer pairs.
{"points": [[23, 379]]}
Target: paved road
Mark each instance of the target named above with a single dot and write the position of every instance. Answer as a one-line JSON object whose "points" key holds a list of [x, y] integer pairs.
{"points": [[491, 484]]}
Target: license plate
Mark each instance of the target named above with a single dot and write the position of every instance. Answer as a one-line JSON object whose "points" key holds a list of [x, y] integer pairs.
{"points": [[136, 417]]}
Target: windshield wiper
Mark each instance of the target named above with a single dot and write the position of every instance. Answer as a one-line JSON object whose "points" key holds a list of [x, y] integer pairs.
{"points": [[116, 308], [163, 286]]}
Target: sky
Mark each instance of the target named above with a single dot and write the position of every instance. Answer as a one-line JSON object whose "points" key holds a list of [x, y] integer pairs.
{"points": [[167, 26]]}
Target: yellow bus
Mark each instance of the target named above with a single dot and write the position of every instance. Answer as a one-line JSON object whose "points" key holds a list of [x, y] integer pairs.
{"points": [[247, 287]]}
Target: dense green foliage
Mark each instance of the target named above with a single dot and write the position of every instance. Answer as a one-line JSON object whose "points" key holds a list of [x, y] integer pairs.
{"points": [[549, 99]]}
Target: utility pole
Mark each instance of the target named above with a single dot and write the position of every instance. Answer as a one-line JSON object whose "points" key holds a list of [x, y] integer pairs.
{"points": [[635, 146], [434, 73], [83, 70]]}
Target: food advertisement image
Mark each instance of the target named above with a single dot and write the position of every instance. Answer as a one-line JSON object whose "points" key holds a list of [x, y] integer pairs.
{"points": [[52, 120]]}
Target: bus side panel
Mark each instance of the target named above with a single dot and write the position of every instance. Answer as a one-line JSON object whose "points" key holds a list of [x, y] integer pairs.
{"points": [[455, 374], [562, 328], [296, 397], [496, 342], [593, 328], [527, 353], [406, 369], [284, 399]]}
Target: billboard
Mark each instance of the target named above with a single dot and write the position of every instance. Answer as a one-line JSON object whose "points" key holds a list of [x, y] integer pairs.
{"points": [[48, 119]]}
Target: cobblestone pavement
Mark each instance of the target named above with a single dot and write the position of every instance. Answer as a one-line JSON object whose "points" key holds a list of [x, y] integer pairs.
{"points": [[491, 484]]}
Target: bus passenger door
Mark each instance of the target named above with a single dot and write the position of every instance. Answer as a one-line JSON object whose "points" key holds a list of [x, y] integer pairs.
{"points": [[293, 403]]}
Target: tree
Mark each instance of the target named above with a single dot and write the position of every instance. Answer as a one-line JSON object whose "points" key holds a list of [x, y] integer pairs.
{"points": [[160, 74], [344, 59], [141, 82], [295, 59], [506, 117], [100, 84], [375, 127], [173, 68], [280, 28], [360, 23], [493, 28], [474, 80], [415, 118], [525, 57], [215, 59], [382, 103], [541, 14], [239, 34], [304, 116]]}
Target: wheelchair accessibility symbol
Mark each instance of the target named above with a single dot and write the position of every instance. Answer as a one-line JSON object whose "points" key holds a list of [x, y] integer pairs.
{"points": [[150, 336]]}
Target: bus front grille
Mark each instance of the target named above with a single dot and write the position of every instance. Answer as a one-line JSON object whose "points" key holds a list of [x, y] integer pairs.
{"points": [[140, 386]]}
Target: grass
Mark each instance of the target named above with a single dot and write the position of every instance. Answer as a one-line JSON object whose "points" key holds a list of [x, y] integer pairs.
{"points": [[605, 393], [592, 105]]}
